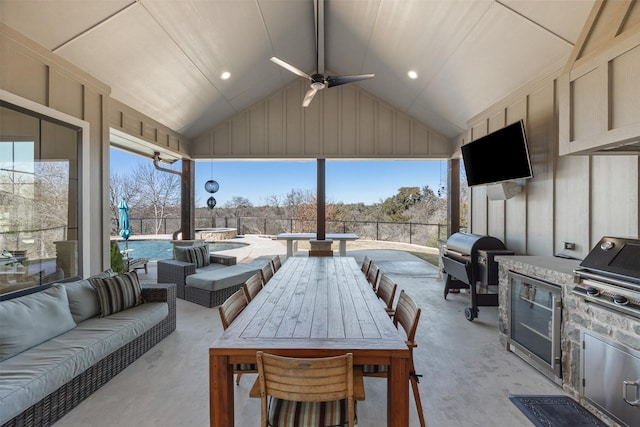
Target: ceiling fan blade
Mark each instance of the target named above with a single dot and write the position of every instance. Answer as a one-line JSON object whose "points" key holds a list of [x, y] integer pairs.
{"points": [[290, 67], [308, 97], [340, 80]]}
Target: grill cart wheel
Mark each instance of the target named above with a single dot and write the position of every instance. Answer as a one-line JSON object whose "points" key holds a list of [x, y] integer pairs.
{"points": [[469, 314]]}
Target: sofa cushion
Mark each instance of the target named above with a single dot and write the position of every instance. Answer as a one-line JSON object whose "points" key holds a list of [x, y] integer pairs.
{"points": [[32, 319], [118, 293], [33, 374], [221, 278], [83, 300]]}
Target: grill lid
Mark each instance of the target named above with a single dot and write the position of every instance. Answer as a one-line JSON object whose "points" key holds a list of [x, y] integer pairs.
{"points": [[467, 244], [615, 257]]}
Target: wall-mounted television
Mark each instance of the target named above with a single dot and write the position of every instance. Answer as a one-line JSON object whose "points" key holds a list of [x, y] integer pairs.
{"points": [[499, 156]]}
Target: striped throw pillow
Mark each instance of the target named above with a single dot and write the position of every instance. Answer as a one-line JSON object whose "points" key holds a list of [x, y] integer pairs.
{"points": [[118, 293], [198, 255], [288, 413]]}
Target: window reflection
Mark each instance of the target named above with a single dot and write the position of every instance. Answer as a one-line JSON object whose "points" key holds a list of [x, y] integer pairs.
{"points": [[39, 190]]}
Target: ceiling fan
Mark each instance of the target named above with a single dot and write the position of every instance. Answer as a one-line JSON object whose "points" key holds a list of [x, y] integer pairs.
{"points": [[318, 80]]}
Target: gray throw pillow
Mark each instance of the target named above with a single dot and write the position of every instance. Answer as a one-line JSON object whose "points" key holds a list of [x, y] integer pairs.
{"points": [[180, 253], [33, 319], [83, 300]]}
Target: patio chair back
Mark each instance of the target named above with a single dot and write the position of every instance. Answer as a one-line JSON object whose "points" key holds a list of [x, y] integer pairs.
{"points": [[252, 286], [266, 272], [297, 385], [276, 263], [387, 292], [366, 262], [232, 307], [373, 275]]}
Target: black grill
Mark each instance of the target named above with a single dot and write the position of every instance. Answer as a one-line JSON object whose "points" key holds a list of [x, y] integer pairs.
{"points": [[469, 263], [610, 275]]}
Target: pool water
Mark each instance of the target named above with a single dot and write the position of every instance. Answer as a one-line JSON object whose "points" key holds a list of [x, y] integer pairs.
{"points": [[163, 249]]}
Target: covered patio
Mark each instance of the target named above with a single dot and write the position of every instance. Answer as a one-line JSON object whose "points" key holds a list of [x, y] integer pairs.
{"points": [[467, 375]]}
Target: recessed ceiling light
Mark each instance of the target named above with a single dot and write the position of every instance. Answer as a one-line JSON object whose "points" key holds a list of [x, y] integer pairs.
{"points": [[412, 74], [225, 75]]}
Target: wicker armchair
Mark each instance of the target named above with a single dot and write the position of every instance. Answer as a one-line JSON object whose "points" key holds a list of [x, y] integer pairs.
{"points": [[174, 271]]}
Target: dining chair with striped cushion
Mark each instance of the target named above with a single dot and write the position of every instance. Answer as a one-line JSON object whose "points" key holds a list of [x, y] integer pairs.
{"points": [[407, 316], [229, 310], [306, 392]]}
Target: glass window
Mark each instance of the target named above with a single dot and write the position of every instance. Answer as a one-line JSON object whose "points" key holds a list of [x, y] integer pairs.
{"points": [[39, 200]]}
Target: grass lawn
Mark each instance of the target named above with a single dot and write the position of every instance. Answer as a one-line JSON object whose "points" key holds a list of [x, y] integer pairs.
{"points": [[430, 258]]}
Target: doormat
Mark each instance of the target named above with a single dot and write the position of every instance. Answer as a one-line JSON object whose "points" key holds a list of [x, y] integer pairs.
{"points": [[555, 411]]}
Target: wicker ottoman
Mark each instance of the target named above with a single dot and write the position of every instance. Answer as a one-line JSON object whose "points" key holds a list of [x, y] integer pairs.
{"points": [[212, 288]]}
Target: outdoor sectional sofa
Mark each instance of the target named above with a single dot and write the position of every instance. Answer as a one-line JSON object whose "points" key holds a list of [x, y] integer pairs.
{"points": [[60, 344], [202, 278]]}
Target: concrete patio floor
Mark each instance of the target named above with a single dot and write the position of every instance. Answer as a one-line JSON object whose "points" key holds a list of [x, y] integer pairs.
{"points": [[467, 375]]}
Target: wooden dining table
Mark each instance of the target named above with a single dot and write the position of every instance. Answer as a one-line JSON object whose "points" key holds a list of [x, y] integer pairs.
{"points": [[312, 307]]}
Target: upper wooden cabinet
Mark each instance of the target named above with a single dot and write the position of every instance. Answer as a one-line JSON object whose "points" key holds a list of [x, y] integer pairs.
{"points": [[599, 94]]}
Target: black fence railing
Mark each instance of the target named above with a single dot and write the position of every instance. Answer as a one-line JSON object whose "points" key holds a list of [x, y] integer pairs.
{"points": [[403, 232]]}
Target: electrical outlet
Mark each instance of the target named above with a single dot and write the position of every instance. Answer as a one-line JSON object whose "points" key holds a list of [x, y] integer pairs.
{"points": [[569, 245]]}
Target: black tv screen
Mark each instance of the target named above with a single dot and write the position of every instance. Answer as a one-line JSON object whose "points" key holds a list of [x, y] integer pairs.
{"points": [[499, 156]]}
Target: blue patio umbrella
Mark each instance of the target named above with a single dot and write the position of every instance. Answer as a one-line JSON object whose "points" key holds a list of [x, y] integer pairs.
{"points": [[124, 223]]}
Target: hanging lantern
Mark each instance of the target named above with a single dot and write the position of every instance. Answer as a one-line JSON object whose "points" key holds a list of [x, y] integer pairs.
{"points": [[211, 186], [211, 202]]}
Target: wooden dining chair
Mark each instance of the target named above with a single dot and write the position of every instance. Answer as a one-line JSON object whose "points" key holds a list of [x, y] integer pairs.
{"points": [[276, 263], [387, 292], [366, 262], [373, 275], [252, 286], [229, 310], [407, 316], [267, 273], [314, 392]]}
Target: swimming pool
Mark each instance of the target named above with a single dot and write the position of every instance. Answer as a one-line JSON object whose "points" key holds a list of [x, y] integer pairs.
{"points": [[163, 249]]}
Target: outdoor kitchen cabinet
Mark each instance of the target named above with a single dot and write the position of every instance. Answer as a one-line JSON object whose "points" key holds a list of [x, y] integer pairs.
{"points": [[599, 101]]}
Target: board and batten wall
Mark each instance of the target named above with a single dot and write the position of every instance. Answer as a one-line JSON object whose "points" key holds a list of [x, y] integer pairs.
{"points": [[571, 198], [40, 78], [343, 122]]}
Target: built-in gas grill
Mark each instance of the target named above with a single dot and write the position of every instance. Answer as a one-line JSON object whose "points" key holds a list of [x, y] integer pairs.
{"points": [[610, 275], [468, 260]]}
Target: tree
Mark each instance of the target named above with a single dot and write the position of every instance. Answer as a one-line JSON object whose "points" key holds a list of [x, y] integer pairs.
{"points": [[396, 206], [157, 192], [239, 204]]}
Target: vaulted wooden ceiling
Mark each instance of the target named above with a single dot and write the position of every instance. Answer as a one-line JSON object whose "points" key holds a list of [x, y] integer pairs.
{"points": [[165, 58]]}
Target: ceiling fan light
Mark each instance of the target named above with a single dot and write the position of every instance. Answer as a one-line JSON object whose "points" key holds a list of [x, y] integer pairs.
{"points": [[317, 85]]}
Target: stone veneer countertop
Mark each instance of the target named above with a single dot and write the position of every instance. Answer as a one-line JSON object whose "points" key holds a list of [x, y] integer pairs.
{"points": [[544, 267]]}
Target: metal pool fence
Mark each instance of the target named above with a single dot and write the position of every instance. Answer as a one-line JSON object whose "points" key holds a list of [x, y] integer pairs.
{"points": [[402, 232]]}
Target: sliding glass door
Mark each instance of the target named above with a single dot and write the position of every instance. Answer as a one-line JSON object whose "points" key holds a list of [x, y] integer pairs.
{"points": [[39, 199]]}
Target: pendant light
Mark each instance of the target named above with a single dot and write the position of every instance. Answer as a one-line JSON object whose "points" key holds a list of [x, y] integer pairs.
{"points": [[211, 186]]}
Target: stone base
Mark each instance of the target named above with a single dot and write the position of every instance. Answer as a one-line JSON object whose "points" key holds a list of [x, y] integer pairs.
{"points": [[320, 247]]}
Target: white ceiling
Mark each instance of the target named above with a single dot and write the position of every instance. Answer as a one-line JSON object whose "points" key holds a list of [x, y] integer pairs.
{"points": [[164, 57]]}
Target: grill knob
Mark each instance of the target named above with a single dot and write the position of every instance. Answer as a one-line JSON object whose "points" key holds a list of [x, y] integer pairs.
{"points": [[620, 300], [594, 292]]}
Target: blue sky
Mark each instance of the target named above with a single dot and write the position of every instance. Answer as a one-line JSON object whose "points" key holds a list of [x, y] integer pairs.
{"points": [[346, 181]]}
